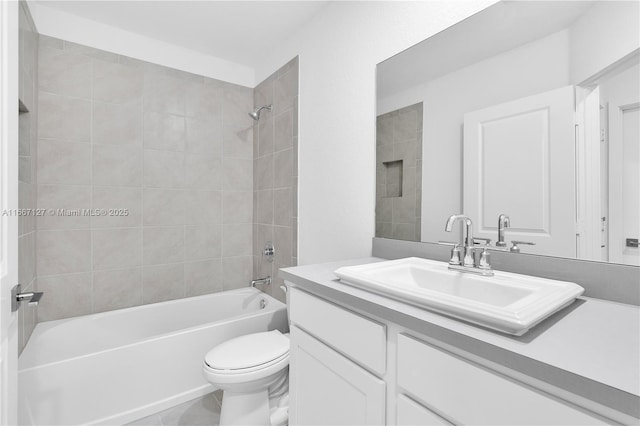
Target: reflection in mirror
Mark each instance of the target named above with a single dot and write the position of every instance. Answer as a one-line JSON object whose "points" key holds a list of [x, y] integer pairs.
{"points": [[528, 109]]}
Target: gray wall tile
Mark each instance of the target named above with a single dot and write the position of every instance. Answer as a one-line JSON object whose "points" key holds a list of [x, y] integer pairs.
{"points": [[237, 174], [64, 73], [163, 282], [164, 131], [203, 207], [117, 124], [203, 277], [203, 242], [163, 245], [203, 171], [64, 118], [63, 252], [128, 199], [63, 163], [117, 165], [63, 197], [176, 151], [66, 296], [236, 272], [237, 240], [116, 83], [163, 169], [116, 248], [163, 207], [117, 289], [237, 207]]}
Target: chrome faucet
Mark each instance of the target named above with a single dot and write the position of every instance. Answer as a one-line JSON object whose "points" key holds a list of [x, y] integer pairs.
{"points": [[468, 264], [467, 237], [503, 222], [266, 280]]}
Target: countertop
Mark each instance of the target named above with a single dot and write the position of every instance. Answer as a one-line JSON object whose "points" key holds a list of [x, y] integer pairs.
{"points": [[591, 348]]}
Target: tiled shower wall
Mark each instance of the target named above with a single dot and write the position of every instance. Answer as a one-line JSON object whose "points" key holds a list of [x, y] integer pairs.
{"points": [[165, 159], [276, 174], [28, 67], [399, 173]]}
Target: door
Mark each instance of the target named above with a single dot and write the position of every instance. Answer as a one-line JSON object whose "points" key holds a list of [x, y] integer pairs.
{"points": [[519, 159], [8, 202], [326, 388], [624, 178]]}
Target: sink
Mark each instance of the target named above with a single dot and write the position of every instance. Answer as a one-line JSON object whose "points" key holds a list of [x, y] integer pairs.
{"points": [[507, 302]]}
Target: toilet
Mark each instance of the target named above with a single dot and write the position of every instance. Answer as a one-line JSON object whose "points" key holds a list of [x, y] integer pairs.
{"points": [[252, 370]]}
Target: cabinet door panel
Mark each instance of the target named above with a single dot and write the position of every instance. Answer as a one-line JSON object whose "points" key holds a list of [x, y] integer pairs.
{"points": [[471, 394], [328, 389], [411, 413]]}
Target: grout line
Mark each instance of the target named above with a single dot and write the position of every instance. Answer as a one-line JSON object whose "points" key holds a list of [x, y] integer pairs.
{"points": [[91, 174]]}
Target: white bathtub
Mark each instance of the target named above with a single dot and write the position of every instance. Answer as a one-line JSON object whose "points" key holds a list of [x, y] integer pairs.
{"points": [[118, 366]]}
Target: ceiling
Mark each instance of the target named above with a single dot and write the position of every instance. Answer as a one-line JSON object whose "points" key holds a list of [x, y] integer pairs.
{"points": [[469, 41], [243, 32]]}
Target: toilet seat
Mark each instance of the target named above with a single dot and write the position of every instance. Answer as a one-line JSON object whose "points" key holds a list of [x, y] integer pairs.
{"points": [[248, 353], [263, 366]]}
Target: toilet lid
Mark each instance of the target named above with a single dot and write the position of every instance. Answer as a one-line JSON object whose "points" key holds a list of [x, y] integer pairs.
{"points": [[248, 351]]}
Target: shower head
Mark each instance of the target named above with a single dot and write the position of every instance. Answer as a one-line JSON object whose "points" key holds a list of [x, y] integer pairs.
{"points": [[255, 114]]}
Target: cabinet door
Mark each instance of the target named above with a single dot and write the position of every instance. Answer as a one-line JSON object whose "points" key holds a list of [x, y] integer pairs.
{"points": [[470, 394], [328, 389], [411, 413]]}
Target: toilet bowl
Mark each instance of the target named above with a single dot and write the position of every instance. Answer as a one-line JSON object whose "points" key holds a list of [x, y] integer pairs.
{"points": [[252, 371]]}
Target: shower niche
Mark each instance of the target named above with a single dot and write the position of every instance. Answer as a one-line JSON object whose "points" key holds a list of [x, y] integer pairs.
{"points": [[399, 173]]}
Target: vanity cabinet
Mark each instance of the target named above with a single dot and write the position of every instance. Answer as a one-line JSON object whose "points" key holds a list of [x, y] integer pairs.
{"points": [[347, 368], [333, 371]]}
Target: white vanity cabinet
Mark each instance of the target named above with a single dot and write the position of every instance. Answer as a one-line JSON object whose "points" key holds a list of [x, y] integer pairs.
{"points": [[347, 368], [326, 385]]}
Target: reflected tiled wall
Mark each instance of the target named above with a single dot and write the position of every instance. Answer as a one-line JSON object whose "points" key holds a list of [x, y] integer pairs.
{"points": [[28, 67], [173, 149], [399, 173], [276, 173]]}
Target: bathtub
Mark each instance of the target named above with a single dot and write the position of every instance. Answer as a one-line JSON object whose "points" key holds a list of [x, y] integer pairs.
{"points": [[119, 366]]}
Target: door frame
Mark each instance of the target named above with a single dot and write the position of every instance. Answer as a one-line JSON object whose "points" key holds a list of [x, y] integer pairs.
{"points": [[9, 93], [588, 199]]}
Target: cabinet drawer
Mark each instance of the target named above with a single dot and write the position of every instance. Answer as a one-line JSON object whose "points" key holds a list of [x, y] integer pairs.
{"points": [[409, 412], [362, 340], [470, 394]]}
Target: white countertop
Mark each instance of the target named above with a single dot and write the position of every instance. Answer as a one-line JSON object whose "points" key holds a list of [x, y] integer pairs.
{"points": [[596, 341]]}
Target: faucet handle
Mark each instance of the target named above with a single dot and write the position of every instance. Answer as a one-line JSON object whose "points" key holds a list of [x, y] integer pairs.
{"points": [[515, 249]]}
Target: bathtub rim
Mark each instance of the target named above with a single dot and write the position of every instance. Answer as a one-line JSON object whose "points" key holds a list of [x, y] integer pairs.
{"points": [[272, 306]]}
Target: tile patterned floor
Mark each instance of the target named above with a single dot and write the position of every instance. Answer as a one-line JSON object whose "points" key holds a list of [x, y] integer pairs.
{"points": [[203, 411]]}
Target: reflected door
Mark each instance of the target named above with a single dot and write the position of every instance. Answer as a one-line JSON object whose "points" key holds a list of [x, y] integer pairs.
{"points": [[519, 159], [624, 183]]}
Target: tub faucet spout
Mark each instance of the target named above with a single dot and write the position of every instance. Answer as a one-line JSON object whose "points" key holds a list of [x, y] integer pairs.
{"points": [[266, 280]]}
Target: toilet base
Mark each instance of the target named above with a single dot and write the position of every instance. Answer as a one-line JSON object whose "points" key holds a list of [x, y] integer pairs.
{"points": [[245, 409]]}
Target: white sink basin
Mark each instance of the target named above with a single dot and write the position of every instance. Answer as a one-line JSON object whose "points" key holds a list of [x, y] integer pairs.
{"points": [[511, 303]]}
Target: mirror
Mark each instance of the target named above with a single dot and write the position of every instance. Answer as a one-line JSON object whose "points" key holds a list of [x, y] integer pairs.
{"points": [[529, 109]]}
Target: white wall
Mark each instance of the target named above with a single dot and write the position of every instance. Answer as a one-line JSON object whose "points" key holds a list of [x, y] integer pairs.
{"points": [[338, 52], [605, 34], [533, 68], [59, 24]]}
